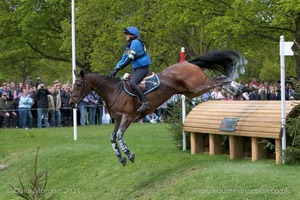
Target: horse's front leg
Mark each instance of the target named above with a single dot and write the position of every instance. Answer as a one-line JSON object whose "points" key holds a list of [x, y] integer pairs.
{"points": [[125, 122], [114, 144]]}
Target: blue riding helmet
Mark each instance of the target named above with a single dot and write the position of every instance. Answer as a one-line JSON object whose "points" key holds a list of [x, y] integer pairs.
{"points": [[132, 31]]}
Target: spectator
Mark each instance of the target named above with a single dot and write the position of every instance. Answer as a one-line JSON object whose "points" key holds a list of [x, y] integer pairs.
{"points": [[83, 111], [25, 104], [228, 96], [29, 82], [253, 95], [216, 94], [273, 94], [6, 89], [106, 119], [42, 105], [290, 92], [171, 102], [66, 110], [278, 91], [152, 118], [38, 81], [262, 93], [92, 106], [7, 112], [16, 98], [246, 96], [57, 85], [205, 96], [162, 111], [31, 92], [54, 107], [99, 112], [20, 86], [253, 82]]}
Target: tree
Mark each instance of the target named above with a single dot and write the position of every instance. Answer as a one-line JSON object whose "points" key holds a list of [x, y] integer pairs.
{"points": [[31, 36], [255, 26], [36, 35]]}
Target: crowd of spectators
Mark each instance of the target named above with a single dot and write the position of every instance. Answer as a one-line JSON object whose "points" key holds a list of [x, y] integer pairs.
{"points": [[32, 104], [28, 105], [256, 90]]}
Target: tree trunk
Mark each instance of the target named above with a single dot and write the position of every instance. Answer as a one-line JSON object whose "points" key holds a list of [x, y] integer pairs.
{"points": [[296, 46]]}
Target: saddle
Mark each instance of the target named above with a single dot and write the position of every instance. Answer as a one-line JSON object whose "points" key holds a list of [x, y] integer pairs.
{"points": [[147, 84]]}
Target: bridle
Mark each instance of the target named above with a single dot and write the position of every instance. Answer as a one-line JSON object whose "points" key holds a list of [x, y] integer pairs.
{"points": [[82, 92]]}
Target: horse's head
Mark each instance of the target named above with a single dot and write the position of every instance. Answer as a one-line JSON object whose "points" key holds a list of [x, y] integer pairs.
{"points": [[80, 89]]}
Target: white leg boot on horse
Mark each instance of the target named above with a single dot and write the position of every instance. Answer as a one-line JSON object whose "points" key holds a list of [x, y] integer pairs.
{"points": [[125, 149], [236, 89]]}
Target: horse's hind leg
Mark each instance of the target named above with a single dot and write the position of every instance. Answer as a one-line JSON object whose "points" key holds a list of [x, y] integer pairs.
{"points": [[115, 146], [229, 85]]}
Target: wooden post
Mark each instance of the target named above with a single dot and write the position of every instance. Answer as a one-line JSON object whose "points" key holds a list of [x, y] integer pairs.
{"points": [[235, 147], [278, 151], [257, 149], [196, 143], [215, 144]]}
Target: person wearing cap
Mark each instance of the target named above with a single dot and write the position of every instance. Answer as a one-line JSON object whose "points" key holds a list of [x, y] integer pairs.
{"points": [[57, 86], [29, 81], [38, 81], [7, 111], [6, 89], [135, 53]]}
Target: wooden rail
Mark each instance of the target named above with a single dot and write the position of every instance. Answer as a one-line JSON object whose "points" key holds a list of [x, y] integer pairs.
{"points": [[256, 119]]}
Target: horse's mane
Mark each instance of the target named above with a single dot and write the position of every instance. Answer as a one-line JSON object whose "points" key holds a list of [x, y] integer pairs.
{"points": [[101, 76]]}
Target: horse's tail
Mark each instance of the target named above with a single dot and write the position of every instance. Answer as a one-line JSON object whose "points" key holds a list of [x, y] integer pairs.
{"points": [[227, 62]]}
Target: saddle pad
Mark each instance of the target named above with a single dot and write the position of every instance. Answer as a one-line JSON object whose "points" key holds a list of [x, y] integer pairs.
{"points": [[151, 84]]}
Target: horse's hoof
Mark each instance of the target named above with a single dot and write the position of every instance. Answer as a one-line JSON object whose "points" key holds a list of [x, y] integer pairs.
{"points": [[123, 161], [132, 157]]}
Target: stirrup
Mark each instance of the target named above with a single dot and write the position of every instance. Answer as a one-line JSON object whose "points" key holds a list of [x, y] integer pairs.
{"points": [[144, 107]]}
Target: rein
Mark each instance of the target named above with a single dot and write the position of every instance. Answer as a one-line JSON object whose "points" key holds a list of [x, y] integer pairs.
{"points": [[109, 107], [82, 93]]}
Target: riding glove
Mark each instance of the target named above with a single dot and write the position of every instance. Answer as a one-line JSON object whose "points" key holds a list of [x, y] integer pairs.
{"points": [[113, 73]]}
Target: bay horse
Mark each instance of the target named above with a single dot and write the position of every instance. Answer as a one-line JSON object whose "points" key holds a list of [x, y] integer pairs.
{"points": [[184, 77]]}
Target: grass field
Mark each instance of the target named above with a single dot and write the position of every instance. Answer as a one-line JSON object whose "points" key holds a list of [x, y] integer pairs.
{"points": [[87, 169]]}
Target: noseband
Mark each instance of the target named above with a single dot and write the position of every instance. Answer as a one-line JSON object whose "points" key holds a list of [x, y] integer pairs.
{"points": [[81, 93]]}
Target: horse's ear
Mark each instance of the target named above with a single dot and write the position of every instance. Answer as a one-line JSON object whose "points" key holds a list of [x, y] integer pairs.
{"points": [[75, 72], [81, 73]]}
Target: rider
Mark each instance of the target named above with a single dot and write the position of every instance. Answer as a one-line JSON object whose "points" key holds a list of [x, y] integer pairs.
{"points": [[135, 53]]}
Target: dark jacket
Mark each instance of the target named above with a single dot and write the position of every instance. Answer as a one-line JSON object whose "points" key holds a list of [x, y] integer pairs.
{"points": [[6, 106], [41, 98], [65, 97]]}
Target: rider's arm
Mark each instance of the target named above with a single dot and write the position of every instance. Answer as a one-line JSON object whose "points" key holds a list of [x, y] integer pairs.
{"points": [[122, 65], [130, 54], [127, 58]]}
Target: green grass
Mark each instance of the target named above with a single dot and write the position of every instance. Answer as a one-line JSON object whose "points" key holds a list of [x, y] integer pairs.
{"points": [[87, 169]]}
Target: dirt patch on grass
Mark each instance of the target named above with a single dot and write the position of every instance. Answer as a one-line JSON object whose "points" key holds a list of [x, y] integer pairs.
{"points": [[2, 166]]}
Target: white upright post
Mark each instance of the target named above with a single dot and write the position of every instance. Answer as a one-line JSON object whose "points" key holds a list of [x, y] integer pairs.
{"points": [[183, 108], [183, 118], [74, 66], [282, 82]]}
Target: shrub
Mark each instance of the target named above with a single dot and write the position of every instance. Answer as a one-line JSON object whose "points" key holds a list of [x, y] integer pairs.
{"points": [[293, 131], [174, 118], [37, 184]]}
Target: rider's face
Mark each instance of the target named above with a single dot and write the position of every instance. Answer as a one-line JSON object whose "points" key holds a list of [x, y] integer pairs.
{"points": [[128, 36]]}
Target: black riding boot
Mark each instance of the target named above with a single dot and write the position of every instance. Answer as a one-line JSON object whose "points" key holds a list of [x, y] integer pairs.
{"points": [[145, 104]]}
